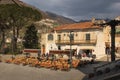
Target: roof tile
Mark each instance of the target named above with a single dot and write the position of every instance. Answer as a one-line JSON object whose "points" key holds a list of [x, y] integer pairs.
{"points": [[77, 26]]}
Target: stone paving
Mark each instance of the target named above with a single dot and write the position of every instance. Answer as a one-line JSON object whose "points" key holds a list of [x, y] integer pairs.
{"points": [[19, 72]]}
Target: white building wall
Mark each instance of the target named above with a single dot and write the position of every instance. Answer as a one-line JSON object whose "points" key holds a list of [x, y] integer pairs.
{"points": [[99, 48], [100, 45], [50, 44]]}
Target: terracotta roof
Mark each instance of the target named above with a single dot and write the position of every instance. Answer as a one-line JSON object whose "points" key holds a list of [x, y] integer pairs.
{"points": [[77, 26]]}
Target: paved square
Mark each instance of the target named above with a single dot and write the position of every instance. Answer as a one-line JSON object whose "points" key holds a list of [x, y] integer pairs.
{"points": [[19, 72]]}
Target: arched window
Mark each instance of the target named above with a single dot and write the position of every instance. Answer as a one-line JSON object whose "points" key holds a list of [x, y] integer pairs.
{"points": [[50, 37]]}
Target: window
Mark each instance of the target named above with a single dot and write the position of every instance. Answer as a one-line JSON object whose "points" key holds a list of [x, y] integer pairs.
{"points": [[50, 37], [64, 34], [59, 37], [87, 36]]}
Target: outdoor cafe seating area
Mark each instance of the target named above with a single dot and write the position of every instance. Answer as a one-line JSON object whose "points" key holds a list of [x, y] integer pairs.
{"points": [[49, 63]]}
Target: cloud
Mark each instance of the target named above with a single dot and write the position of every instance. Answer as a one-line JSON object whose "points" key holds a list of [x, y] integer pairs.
{"points": [[115, 7], [79, 9]]}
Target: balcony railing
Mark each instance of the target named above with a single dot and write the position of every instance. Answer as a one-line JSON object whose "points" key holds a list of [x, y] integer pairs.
{"points": [[93, 41]]}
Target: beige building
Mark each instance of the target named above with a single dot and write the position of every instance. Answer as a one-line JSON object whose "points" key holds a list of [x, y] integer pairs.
{"points": [[85, 37]]}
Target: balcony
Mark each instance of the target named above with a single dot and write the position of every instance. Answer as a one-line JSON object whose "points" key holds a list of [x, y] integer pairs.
{"points": [[75, 42]]}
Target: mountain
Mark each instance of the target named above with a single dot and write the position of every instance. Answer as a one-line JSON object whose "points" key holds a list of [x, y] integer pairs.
{"points": [[20, 3], [60, 19]]}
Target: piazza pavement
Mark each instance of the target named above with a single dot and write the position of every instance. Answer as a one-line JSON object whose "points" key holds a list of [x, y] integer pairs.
{"points": [[19, 72]]}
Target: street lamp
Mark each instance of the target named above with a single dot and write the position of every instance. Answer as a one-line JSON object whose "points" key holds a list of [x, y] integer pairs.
{"points": [[71, 39]]}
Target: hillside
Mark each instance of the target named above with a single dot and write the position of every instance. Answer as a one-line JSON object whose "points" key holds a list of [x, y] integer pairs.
{"points": [[60, 19]]}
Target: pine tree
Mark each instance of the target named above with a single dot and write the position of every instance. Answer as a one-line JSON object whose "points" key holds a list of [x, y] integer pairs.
{"points": [[31, 38]]}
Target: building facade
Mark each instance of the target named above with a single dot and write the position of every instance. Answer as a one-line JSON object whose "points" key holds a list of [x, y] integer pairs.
{"points": [[84, 37]]}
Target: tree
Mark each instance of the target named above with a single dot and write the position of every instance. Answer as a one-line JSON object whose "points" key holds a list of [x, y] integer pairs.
{"points": [[3, 27], [17, 17], [31, 38]]}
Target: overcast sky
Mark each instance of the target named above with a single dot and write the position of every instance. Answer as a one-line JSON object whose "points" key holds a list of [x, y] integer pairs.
{"points": [[79, 9]]}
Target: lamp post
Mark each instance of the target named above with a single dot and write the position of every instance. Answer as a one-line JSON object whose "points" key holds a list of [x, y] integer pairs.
{"points": [[71, 38]]}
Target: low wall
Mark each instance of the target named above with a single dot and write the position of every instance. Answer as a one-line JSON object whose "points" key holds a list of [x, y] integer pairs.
{"points": [[31, 50]]}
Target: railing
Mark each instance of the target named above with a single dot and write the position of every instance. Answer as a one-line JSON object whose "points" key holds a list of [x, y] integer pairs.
{"points": [[103, 66], [113, 77], [93, 41]]}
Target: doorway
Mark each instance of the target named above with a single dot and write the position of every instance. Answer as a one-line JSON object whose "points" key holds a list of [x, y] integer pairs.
{"points": [[87, 51]]}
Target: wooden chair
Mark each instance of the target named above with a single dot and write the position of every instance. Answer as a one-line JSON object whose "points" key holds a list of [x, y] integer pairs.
{"points": [[66, 67]]}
